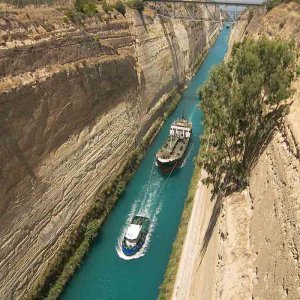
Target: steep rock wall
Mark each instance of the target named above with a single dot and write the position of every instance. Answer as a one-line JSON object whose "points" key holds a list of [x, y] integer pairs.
{"points": [[275, 183], [247, 244], [72, 102]]}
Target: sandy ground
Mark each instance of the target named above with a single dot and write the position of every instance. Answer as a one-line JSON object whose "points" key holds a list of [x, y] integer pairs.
{"points": [[189, 262], [217, 257]]}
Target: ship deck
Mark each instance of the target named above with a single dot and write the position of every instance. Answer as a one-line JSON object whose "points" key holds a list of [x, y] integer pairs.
{"points": [[176, 150]]}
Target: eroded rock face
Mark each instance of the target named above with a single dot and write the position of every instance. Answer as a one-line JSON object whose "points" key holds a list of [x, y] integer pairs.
{"points": [[275, 182], [247, 245], [72, 103], [275, 193]]}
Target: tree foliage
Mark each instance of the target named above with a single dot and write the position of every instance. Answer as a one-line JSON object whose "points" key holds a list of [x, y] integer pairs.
{"points": [[23, 3], [273, 3], [83, 9], [86, 7], [242, 102], [106, 6], [136, 4], [120, 7]]}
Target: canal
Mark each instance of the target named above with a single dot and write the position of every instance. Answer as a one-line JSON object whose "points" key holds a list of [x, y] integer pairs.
{"points": [[107, 274]]}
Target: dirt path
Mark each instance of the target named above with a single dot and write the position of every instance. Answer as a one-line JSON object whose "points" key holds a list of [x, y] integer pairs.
{"points": [[193, 245]]}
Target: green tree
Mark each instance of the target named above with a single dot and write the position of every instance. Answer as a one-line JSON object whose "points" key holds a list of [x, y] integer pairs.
{"points": [[242, 101], [120, 7], [136, 4], [86, 7], [106, 6]]}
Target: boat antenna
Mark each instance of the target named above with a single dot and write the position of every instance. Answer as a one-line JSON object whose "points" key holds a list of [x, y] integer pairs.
{"points": [[182, 113]]}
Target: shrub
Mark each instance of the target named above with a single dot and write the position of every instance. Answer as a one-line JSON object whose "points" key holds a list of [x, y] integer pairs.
{"points": [[70, 14], [66, 19], [242, 101], [120, 7], [106, 7], [75, 16], [136, 4], [23, 3], [86, 7], [298, 70], [273, 3]]}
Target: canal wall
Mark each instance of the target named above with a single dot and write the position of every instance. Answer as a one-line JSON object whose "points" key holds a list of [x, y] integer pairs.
{"points": [[73, 101], [246, 245]]}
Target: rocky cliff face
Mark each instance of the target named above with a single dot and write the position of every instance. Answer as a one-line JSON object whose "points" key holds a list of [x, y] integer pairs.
{"points": [[248, 244], [72, 103], [275, 183]]}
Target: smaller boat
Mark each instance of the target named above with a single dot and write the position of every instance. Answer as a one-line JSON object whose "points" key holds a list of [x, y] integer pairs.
{"points": [[135, 235]]}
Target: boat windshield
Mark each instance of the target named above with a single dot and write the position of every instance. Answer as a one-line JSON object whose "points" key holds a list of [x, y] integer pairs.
{"points": [[130, 243], [132, 235]]}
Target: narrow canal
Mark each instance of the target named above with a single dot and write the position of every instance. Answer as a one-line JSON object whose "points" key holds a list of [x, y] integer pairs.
{"points": [[105, 273]]}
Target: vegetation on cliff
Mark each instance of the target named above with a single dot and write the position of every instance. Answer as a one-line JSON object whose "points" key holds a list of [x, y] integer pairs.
{"points": [[120, 7], [86, 7], [136, 4], [243, 100], [83, 8], [23, 3], [272, 3]]}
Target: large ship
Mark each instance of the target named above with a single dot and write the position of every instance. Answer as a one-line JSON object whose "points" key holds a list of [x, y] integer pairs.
{"points": [[171, 154], [135, 235]]}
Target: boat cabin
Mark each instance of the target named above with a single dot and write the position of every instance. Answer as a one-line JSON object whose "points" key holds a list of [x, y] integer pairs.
{"points": [[180, 130], [133, 234]]}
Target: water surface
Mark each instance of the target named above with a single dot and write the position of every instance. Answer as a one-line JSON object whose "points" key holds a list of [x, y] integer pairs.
{"points": [[104, 273]]}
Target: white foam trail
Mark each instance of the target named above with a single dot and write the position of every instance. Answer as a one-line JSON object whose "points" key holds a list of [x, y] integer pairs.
{"points": [[149, 207], [144, 249], [151, 199]]}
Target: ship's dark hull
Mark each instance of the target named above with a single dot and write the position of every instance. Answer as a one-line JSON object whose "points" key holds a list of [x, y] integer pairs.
{"points": [[135, 249], [167, 167]]}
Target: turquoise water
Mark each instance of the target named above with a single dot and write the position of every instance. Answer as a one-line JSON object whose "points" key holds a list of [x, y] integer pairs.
{"points": [[105, 273]]}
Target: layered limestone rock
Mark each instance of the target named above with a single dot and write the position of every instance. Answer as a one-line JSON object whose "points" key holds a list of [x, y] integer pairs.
{"points": [[275, 183], [73, 100]]}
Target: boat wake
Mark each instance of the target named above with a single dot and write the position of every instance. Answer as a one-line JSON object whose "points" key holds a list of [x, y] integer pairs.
{"points": [[144, 249], [147, 206]]}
